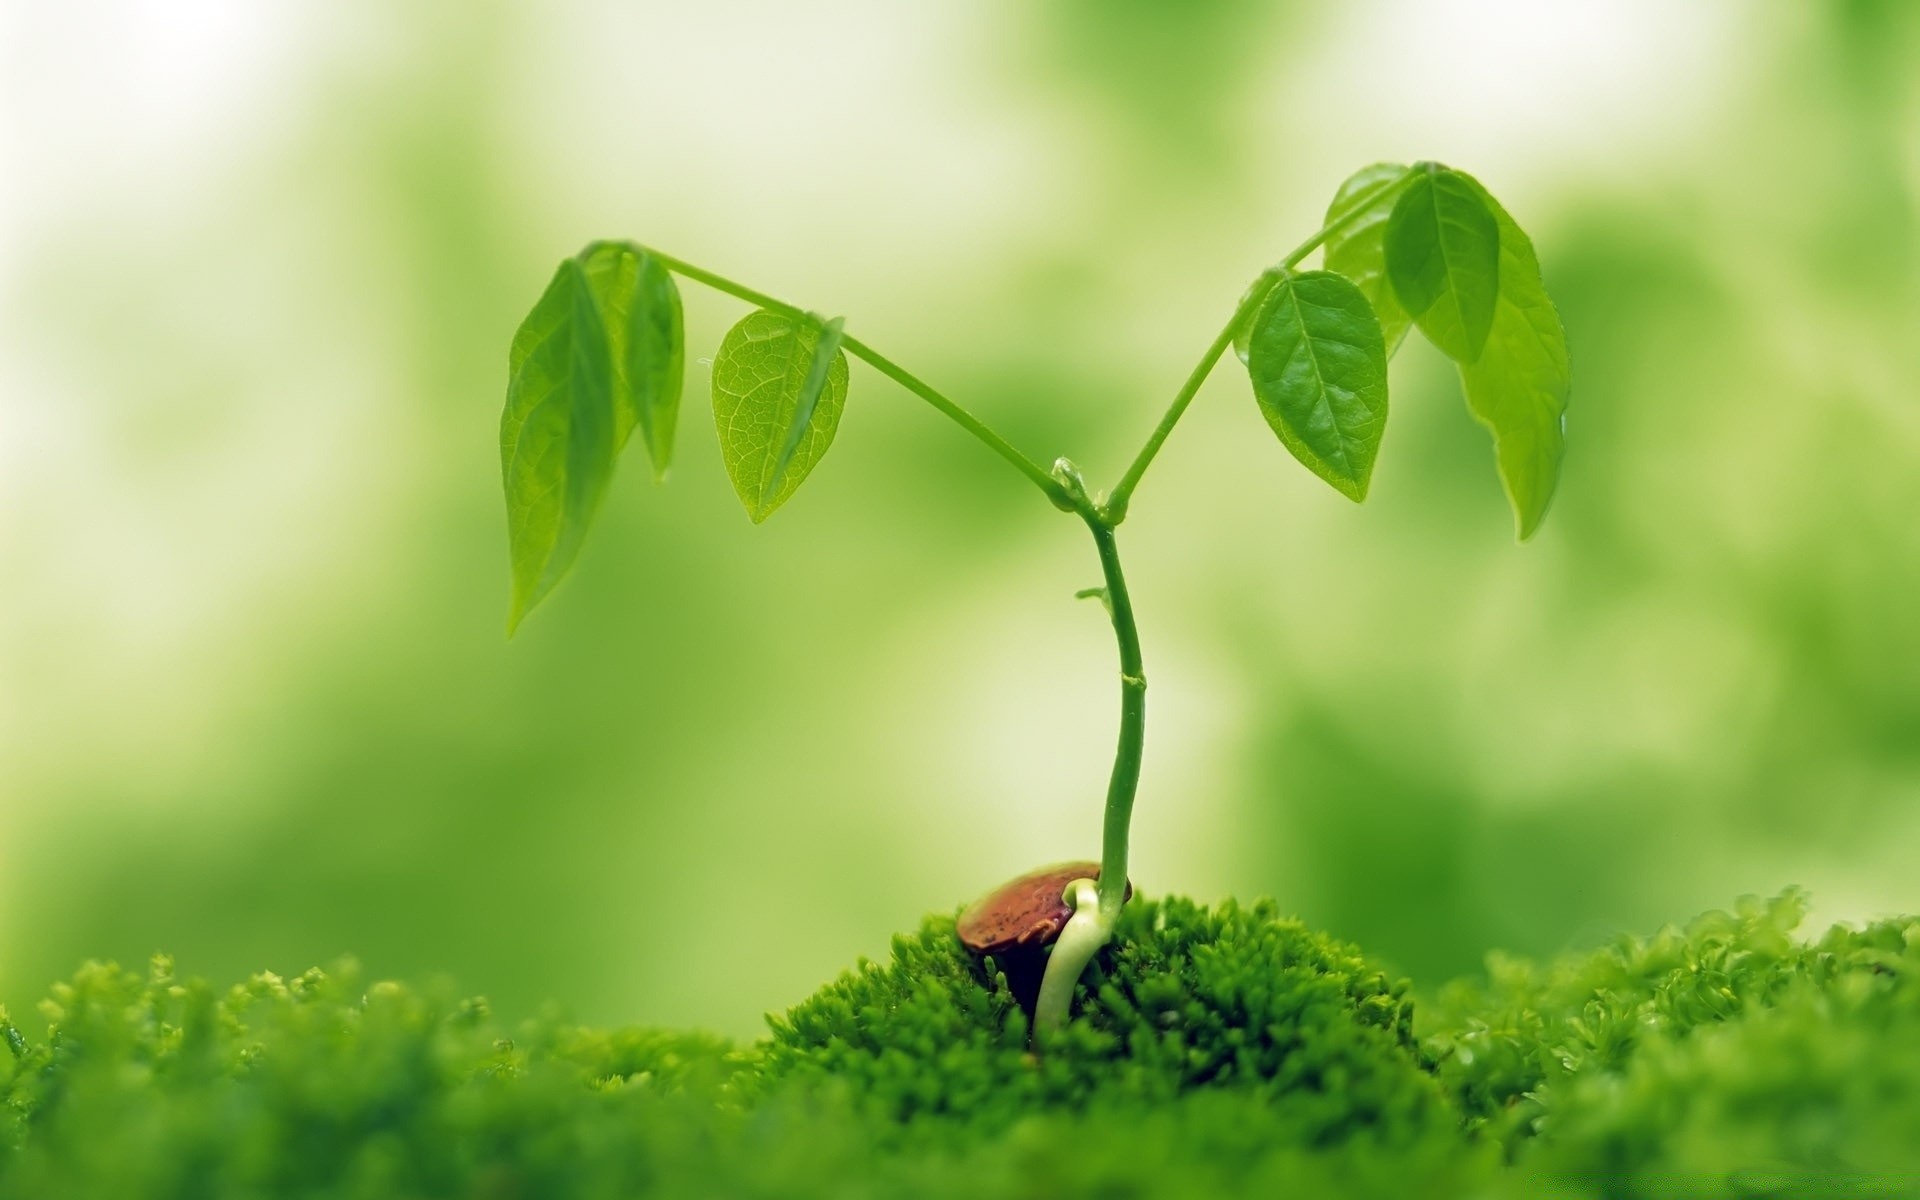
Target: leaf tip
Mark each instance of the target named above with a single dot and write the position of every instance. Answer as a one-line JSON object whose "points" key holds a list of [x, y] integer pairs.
{"points": [[1353, 489], [1477, 335], [524, 601], [659, 463], [1527, 523]]}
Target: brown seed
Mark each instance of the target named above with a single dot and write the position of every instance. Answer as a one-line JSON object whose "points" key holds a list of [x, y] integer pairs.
{"points": [[1026, 914]]}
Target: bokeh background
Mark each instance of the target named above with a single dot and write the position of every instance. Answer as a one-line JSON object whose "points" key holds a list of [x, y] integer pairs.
{"points": [[259, 265]]}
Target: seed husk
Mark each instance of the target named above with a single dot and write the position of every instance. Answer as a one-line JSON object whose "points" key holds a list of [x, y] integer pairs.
{"points": [[1016, 922], [1026, 913]]}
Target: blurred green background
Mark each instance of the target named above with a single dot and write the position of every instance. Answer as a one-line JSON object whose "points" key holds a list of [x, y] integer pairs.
{"points": [[259, 268]]}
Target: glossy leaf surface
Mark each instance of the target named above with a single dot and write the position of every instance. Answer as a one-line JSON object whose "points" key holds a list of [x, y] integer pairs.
{"points": [[1443, 255], [1319, 368], [557, 434], [775, 407]]}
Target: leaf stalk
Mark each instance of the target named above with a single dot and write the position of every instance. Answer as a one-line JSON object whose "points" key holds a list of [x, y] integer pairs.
{"points": [[881, 363]]}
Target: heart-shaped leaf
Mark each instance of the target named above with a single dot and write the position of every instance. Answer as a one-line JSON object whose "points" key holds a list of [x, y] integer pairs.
{"points": [[1443, 255], [1319, 368], [779, 384]]}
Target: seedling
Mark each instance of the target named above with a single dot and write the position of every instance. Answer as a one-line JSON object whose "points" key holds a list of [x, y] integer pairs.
{"points": [[602, 356]]}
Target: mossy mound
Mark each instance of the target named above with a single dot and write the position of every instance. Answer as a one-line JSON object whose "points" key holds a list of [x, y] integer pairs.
{"points": [[1221, 1052], [1188, 999]]}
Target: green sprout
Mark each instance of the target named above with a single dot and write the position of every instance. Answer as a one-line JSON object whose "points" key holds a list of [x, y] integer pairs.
{"points": [[602, 356]]}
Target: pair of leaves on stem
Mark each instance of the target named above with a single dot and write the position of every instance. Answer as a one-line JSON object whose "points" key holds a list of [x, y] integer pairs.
{"points": [[603, 354], [1428, 247]]}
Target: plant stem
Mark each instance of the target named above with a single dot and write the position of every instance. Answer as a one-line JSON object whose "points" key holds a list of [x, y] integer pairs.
{"points": [[720, 283], [1097, 906], [1125, 781], [886, 366], [1087, 931], [959, 416], [1114, 509]]}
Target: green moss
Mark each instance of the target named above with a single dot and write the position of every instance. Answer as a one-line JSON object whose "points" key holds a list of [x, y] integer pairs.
{"points": [[1725, 1058], [323, 1085], [1222, 1052], [1186, 999]]}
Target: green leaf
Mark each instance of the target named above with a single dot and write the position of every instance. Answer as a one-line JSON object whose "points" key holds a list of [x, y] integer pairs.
{"points": [[556, 434], [826, 349], [1358, 248], [640, 309], [1319, 367], [1443, 256], [1519, 386], [779, 384]]}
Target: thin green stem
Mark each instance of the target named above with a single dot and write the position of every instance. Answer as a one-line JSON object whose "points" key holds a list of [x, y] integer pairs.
{"points": [[958, 416], [886, 366], [1115, 506], [1125, 780], [1097, 906], [720, 283]]}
